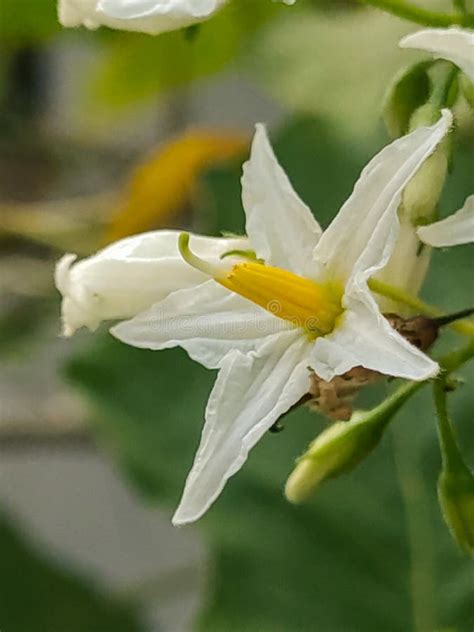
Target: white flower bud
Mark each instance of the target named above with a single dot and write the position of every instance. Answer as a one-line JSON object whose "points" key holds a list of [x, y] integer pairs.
{"points": [[337, 449]]}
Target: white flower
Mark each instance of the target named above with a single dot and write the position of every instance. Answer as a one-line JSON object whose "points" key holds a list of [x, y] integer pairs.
{"points": [[147, 16], [129, 277], [453, 44], [452, 231], [308, 305]]}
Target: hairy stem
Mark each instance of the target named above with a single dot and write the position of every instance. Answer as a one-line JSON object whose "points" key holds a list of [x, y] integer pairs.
{"points": [[465, 327], [419, 15]]}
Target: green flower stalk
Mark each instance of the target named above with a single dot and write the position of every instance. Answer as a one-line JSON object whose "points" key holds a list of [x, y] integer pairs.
{"points": [[456, 480]]}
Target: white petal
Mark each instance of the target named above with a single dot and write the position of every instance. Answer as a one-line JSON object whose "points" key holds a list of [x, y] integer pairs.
{"points": [[207, 321], [452, 231], [155, 16], [251, 392], [75, 12], [361, 237], [453, 44], [281, 228], [366, 339], [130, 276], [130, 9]]}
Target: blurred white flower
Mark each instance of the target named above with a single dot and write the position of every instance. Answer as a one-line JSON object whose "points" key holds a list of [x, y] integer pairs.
{"points": [[453, 44], [147, 16], [129, 276], [453, 230], [304, 302]]}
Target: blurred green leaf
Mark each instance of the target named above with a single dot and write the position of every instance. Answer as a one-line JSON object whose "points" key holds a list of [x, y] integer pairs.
{"points": [[173, 59], [370, 552], [37, 595], [27, 21], [332, 64]]}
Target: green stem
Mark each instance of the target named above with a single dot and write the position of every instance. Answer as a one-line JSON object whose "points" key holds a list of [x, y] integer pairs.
{"points": [[453, 360], [465, 327], [448, 363], [452, 459], [426, 17]]}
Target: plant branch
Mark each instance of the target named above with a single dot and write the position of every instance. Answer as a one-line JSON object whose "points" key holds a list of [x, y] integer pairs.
{"points": [[452, 459], [419, 15], [465, 327]]}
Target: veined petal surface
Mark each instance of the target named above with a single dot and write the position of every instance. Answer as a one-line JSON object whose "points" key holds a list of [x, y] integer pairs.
{"points": [[207, 321], [280, 227], [366, 339], [130, 276], [250, 394], [362, 236], [453, 230]]}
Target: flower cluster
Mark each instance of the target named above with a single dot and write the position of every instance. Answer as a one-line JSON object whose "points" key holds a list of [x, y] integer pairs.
{"points": [[288, 304]]}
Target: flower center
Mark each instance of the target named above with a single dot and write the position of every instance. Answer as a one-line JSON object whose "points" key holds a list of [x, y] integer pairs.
{"points": [[313, 306], [305, 303]]}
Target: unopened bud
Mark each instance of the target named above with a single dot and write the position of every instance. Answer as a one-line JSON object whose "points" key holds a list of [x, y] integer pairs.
{"points": [[423, 191], [456, 481], [456, 497], [337, 449]]}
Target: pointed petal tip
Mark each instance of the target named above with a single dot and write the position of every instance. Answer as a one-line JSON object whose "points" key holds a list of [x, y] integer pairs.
{"points": [[183, 519], [260, 128], [447, 117], [431, 372], [260, 139]]}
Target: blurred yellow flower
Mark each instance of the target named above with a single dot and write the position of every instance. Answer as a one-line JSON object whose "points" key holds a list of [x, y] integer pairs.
{"points": [[162, 185]]}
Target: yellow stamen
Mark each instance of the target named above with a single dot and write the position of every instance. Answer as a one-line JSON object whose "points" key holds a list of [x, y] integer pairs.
{"points": [[305, 303]]}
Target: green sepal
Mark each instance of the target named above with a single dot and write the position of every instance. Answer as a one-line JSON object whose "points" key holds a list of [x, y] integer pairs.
{"points": [[467, 88], [408, 91]]}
